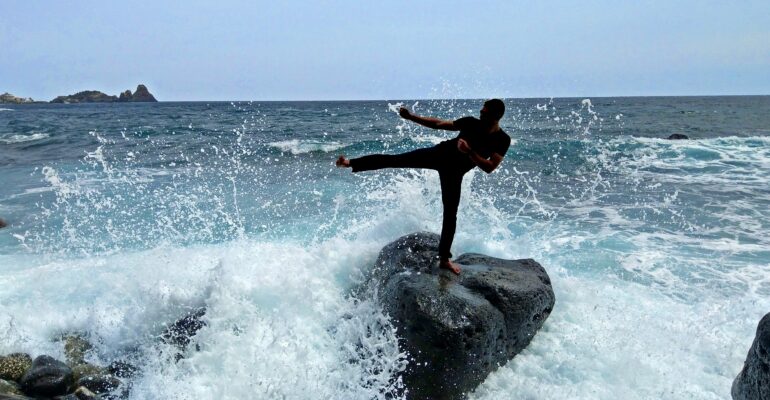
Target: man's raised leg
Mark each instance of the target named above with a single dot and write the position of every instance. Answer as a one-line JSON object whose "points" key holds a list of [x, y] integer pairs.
{"points": [[420, 158]]}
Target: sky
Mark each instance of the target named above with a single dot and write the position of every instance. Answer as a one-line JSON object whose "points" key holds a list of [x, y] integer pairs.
{"points": [[356, 50]]}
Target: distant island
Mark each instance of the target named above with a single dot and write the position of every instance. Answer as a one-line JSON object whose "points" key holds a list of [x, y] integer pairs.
{"points": [[141, 95]]}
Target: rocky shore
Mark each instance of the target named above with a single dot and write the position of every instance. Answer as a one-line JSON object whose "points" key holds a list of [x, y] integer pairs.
{"points": [[141, 95], [75, 378]]}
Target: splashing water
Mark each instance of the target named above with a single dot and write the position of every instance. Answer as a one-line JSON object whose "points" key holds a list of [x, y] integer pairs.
{"points": [[122, 218]]}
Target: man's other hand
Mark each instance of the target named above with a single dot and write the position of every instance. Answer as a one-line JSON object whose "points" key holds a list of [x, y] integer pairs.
{"points": [[462, 146]]}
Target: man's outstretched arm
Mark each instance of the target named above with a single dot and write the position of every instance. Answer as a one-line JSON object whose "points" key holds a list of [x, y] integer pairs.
{"points": [[430, 122]]}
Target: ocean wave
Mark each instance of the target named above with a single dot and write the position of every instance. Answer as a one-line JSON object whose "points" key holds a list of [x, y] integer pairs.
{"points": [[296, 146], [24, 138], [6, 109]]}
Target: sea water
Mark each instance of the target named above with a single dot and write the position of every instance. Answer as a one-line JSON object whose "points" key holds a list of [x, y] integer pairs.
{"points": [[123, 217]]}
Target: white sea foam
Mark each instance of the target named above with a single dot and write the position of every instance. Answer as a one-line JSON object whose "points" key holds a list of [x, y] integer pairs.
{"points": [[6, 109], [297, 146], [24, 138]]}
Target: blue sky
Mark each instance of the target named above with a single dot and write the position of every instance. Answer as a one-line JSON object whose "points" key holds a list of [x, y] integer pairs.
{"points": [[297, 50]]}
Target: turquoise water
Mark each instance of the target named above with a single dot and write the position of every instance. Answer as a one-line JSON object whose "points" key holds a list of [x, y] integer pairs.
{"points": [[122, 216]]}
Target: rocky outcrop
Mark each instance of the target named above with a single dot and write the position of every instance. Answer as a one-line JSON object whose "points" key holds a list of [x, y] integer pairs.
{"points": [[7, 98], [142, 94], [678, 136], [87, 96], [753, 383], [458, 329]]}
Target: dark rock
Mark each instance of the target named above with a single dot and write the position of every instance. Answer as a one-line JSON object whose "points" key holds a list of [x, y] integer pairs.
{"points": [[122, 369], [458, 329], [678, 136], [82, 370], [2, 223], [180, 333], [99, 383], [83, 393], [753, 383], [47, 377], [125, 96], [142, 95], [87, 96], [9, 387], [13, 366]]}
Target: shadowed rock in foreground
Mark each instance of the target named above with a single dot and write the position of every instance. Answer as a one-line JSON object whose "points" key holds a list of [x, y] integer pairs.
{"points": [[458, 329], [753, 383]]}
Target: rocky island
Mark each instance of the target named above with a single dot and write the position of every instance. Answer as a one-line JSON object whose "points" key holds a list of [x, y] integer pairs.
{"points": [[94, 96], [7, 98]]}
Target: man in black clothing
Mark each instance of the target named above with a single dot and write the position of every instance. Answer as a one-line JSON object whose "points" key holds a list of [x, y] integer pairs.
{"points": [[481, 143]]}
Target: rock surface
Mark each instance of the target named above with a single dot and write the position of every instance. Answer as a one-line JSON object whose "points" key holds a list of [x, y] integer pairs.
{"points": [[13, 366], [75, 348], [3, 224], [9, 387], [678, 136], [753, 382], [458, 329], [47, 377]]}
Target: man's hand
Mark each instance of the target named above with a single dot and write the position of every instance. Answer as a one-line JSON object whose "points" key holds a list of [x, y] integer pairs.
{"points": [[462, 146], [404, 113]]}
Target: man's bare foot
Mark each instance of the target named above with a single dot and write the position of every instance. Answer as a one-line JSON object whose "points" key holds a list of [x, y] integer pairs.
{"points": [[448, 264], [342, 162]]}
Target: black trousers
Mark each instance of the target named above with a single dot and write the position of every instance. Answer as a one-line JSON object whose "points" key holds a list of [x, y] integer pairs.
{"points": [[428, 158]]}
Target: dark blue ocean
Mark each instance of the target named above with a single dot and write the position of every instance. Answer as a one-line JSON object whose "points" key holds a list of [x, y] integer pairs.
{"points": [[123, 216]]}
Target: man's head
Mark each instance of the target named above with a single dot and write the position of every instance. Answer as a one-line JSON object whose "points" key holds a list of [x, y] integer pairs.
{"points": [[493, 110]]}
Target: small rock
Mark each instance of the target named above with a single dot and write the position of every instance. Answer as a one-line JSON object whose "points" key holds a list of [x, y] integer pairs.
{"points": [[9, 387], [82, 393], [3, 224], [122, 369], [75, 349], [13, 366], [678, 136], [99, 383], [47, 377], [180, 333], [82, 370]]}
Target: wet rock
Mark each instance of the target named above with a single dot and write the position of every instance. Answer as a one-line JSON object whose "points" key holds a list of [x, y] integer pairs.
{"points": [[101, 383], [83, 393], [47, 377], [181, 332], [122, 369], [753, 382], [9, 387], [3, 224], [678, 136], [9, 396], [75, 348], [458, 329], [82, 370], [13, 366]]}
